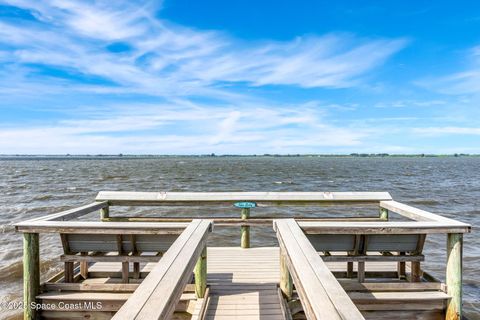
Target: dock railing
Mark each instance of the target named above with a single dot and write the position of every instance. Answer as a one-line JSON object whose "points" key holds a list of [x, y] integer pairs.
{"points": [[424, 222]]}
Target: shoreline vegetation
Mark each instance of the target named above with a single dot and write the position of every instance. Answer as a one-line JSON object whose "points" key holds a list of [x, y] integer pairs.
{"points": [[213, 155]]}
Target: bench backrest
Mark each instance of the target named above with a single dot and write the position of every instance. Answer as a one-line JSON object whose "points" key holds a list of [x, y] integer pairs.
{"points": [[321, 295], [158, 294], [121, 244], [365, 243]]}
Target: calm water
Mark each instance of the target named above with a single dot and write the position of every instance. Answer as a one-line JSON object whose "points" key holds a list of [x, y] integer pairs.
{"points": [[32, 188]]}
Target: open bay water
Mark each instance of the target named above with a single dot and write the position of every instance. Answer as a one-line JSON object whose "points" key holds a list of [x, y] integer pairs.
{"points": [[35, 187]]}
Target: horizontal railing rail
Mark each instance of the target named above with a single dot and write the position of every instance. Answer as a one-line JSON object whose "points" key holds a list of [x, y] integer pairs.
{"points": [[228, 198], [41, 226]]}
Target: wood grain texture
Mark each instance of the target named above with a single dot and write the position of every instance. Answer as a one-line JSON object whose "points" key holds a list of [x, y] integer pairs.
{"points": [[201, 198], [90, 227], [407, 227], [320, 293], [158, 294], [31, 273]]}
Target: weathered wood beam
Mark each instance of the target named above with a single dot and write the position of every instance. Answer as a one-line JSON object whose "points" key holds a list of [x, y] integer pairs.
{"points": [[90, 227], [231, 221], [200, 272], [245, 230], [407, 227], [227, 198], [31, 274], [286, 282], [420, 215], [104, 212], [383, 214], [71, 213], [454, 276]]}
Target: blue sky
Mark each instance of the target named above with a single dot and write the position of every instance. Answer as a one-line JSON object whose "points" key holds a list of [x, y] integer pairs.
{"points": [[243, 77]]}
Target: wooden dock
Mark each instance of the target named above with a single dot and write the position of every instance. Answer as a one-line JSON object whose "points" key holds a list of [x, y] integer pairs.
{"points": [[243, 284], [339, 268]]}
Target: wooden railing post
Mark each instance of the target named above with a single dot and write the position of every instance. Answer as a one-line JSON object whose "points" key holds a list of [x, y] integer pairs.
{"points": [[286, 283], [245, 230], [454, 276], [31, 274], [104, 213], [383, 215], [201, 274]]}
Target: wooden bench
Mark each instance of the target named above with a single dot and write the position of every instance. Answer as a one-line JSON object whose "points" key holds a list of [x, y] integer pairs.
{"points": [[157, 295], [115, 245], [321, 295], [385, 297], [360, 248]]}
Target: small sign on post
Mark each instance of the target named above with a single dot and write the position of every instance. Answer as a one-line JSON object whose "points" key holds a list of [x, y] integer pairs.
{"points": [[245, 214], [245, 204]]}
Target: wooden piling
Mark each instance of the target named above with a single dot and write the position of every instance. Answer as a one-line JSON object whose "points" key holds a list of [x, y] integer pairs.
{"points": [[245, 230], [383, 214], [201, 274], [454, 275], [104, 213], [401, 267], [416, 271], [286, 282], [361, 271], [84, 266], [31, 274]]}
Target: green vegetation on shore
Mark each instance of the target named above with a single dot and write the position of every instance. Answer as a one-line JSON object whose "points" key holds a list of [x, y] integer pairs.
{"points": [[266, 155]]}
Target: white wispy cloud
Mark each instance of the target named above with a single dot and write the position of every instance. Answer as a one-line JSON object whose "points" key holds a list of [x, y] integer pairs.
{"points": [[74, 35], [199, 130], [179, 65], [466, 81], [410, 103], [438, 131]]}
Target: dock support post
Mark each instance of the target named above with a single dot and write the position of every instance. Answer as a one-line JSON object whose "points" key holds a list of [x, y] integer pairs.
{"points": [[84, 266], [31, 274], [245, 230], [104, 213], [416, 271], [383, 214], [401, 267], [361, 271], [201, 274], [454, 275], [286, 283]]}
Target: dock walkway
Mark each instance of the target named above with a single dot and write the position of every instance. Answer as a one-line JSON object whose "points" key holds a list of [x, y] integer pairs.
{"points": [[243, 284]]}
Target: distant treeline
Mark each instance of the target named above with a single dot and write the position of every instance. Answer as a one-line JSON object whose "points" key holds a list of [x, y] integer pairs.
{"points": [[146, 156]]}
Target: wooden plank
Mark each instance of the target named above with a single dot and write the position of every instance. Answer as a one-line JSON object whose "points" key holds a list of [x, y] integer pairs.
{"points": [[89, 227], [352, 285], [76, 315], [420, 215], [400, 314], [409, 227], [347, 258], [155, 298], [371, 297], [229, 221], [72, 213], [91, 287], [207, 198], [312, 277], [284, 306]]}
